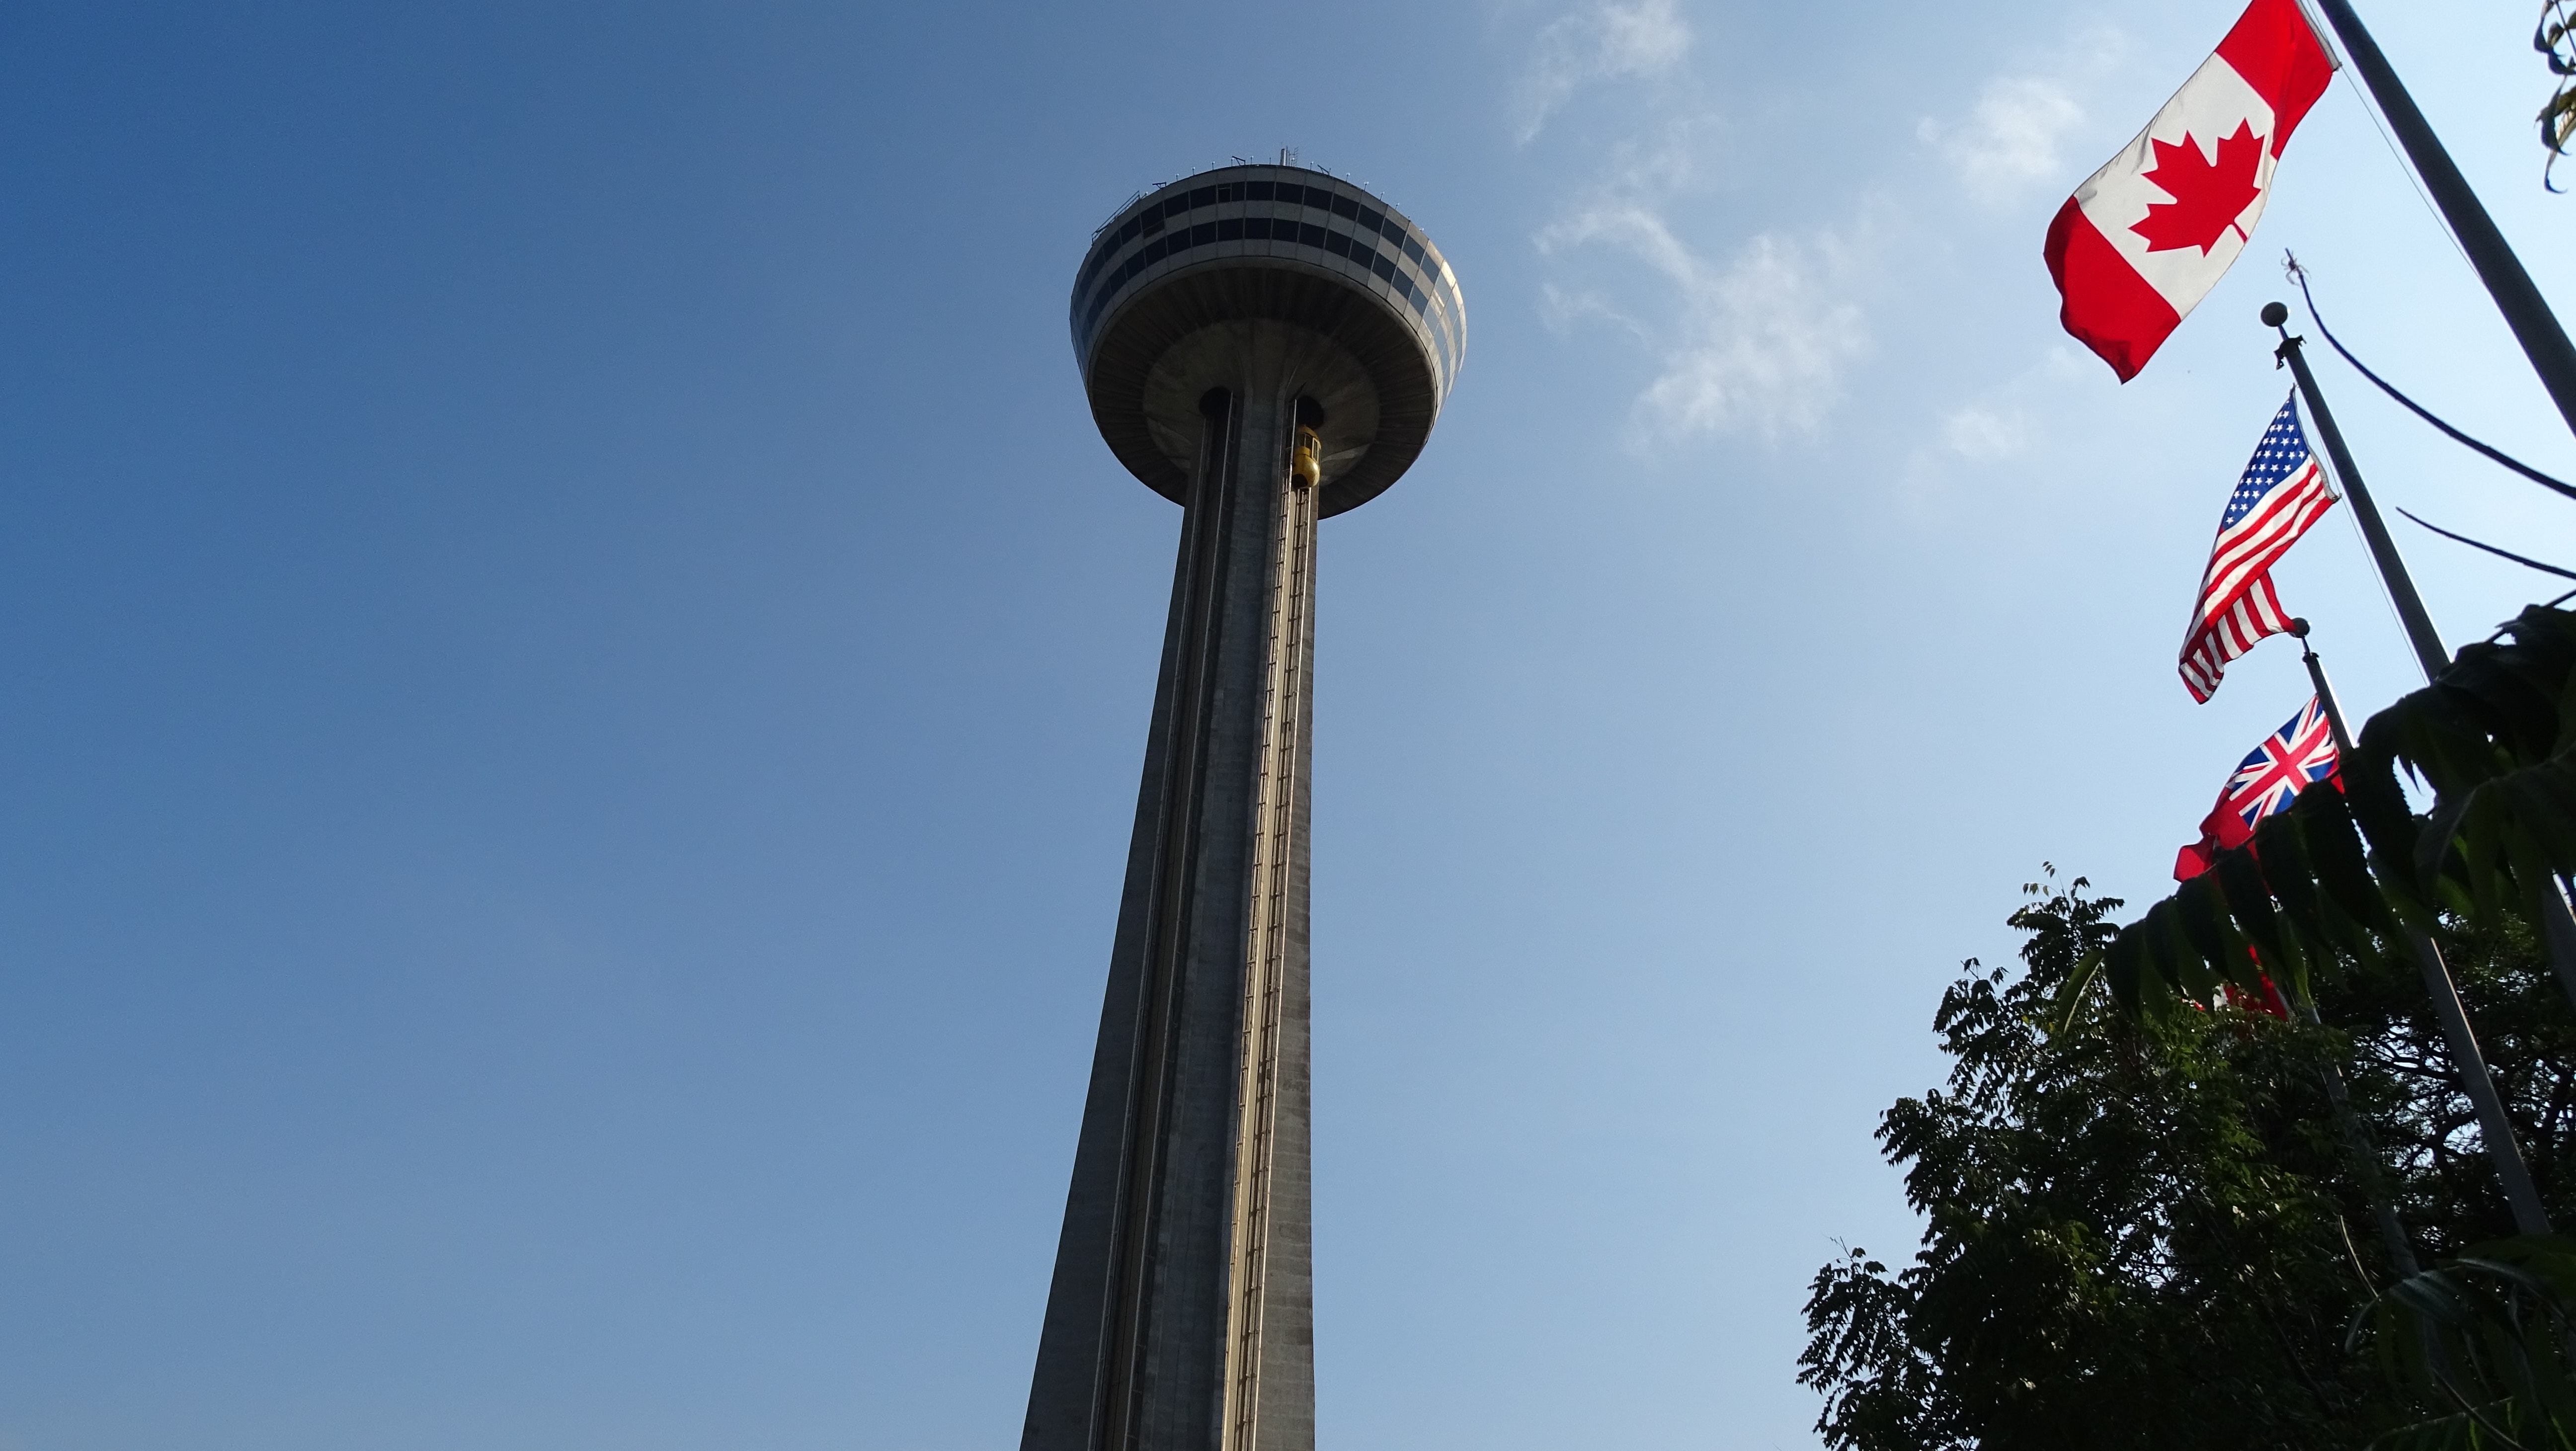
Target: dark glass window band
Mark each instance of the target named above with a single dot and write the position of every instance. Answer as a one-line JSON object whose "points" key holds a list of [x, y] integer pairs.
{"points": [[1420, 295], [1150, 219], [1258, 229], [1420, 299], [1262, 229], [1104, 275]]}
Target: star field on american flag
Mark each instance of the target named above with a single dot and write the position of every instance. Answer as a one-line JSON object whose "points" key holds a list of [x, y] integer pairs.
{"points": [[2283, 451], [2282, 491]]}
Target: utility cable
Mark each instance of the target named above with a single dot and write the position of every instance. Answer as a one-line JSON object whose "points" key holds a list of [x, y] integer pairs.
{"points": [[2405, 168], [2299, 275], [2489, 548]]}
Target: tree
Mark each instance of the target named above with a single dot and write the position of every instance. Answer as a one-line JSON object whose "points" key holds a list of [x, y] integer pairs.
{"points": [[2148, 1230], [2555, 39]]}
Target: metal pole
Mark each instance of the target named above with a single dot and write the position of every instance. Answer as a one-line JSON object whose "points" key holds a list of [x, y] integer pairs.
{"points": [[2525, 310], [2558, 925], [2325, 692], [2383, 549], [2557, 920], [2365, 1158], [2503, 1148]]}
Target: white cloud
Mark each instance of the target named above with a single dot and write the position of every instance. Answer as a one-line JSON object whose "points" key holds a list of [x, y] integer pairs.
{"points": [[1604, 40], [1560, 310], [1990, 446], [2011, 138], [1982, 434], [1756, 343], [1753, 342], [1769, 338]]}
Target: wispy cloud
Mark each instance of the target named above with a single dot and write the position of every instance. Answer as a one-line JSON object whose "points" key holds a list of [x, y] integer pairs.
{"points": [[2010, 138], [1761, 335], [1754, 342], [1604, 40], [1561, 309], [1995, 442], [1982, 433]]}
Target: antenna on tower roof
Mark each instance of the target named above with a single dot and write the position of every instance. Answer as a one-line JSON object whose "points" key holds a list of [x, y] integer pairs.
{"points": [[1287, 156]]}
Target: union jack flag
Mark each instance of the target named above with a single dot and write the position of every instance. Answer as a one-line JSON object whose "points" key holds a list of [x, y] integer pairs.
{"points": [[2299, 754], [2284, 490]]}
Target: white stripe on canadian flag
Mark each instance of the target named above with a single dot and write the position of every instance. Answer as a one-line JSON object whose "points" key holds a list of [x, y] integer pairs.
{"points": [[2145, 238], [2220, 118]]}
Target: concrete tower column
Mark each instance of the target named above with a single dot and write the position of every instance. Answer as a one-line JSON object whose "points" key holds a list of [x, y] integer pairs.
{"points": [[1263, 390]]}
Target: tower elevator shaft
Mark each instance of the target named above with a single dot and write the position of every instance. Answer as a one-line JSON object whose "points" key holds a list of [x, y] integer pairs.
{"points": [[1181, 1315]]}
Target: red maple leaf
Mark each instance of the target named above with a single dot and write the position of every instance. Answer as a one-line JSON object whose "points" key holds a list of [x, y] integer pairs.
{"points": [[2208, 196]]}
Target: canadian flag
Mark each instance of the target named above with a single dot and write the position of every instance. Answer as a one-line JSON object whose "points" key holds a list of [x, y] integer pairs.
{"points": [[2145, 239]]}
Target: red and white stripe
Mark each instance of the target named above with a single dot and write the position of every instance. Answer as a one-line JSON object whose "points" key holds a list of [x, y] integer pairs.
{"points": [[2251, 616], [2237, 606]]}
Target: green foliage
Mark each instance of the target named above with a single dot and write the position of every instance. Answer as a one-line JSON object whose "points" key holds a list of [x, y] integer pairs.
{"points": [[2341, 878], [2489, 1335], [2146, 1229], [2141, 1202], [2424, 1128], [2133, 1232], [2556, 39]]}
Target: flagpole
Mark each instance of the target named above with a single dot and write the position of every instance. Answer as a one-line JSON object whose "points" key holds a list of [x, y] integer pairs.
{"points": [[2557, 920], [2503, 1148], [2525, 310], [2374, 530], [2356, 1137]]}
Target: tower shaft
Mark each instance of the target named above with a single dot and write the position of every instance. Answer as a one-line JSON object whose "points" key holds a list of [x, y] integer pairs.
{"points": [[1265, 346], [1181, 1317]]}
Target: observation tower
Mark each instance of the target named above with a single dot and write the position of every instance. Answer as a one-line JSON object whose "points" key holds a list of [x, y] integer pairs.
{"points": [[1265, 346]]}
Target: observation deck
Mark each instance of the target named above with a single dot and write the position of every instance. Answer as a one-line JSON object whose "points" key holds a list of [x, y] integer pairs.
{"points": [[1281, 244]]}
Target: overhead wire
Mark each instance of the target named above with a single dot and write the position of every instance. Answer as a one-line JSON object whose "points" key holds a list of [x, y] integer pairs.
{"points": [[2493, 454], [2524, 560], [2370, 108], [2299, 274]]}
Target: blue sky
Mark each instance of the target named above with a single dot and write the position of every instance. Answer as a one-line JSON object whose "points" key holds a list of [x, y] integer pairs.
{"points": [[576, 674]]}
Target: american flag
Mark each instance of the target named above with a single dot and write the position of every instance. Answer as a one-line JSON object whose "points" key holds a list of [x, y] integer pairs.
{"points": [[2299, 754], [2283, 492]]}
